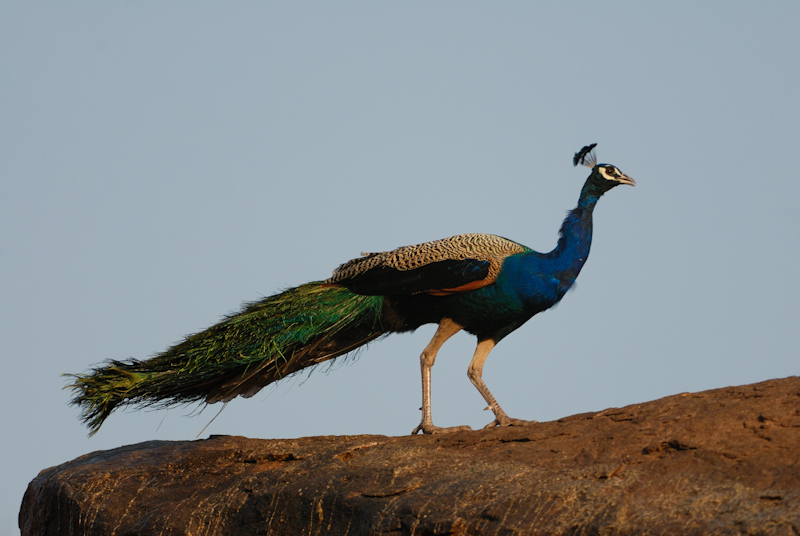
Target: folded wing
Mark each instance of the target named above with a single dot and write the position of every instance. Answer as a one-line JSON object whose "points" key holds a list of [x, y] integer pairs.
{"points": [[451, 265]]}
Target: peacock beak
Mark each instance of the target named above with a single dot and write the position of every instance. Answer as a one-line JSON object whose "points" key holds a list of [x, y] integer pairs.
{"points": [[624, 179]]}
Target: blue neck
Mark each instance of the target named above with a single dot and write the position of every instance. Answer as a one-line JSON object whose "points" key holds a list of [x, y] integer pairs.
{"points": [[541, 280], [590, 193], [574, 242]]}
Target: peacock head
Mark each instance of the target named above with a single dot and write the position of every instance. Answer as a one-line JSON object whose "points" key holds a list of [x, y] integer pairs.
{"points": [[612, 175], [603, 176]]}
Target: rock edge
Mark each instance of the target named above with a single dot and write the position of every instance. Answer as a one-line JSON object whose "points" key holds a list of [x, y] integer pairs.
{"points": [[716, 462]]}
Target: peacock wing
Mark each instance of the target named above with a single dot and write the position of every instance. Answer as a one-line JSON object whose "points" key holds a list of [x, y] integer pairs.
{"points": [[451, 265]]}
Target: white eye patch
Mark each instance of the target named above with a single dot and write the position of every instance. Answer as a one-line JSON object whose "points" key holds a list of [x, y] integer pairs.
{"points": [[609, 173]]}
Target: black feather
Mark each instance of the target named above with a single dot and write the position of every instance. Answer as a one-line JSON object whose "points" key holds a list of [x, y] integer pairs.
{"points": [[585, 157], [447, 274]]}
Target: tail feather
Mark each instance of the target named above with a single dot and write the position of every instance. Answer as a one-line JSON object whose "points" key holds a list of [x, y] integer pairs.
{"points": [[265, 342]]}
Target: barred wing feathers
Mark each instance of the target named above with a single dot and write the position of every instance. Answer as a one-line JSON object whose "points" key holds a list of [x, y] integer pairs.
{"points": [[456, 264]]}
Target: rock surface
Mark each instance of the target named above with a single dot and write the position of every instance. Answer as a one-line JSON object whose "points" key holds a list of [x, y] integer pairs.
{"points": [[718, 462]]}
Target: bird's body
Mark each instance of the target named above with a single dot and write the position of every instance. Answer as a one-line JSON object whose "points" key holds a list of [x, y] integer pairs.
{"points": [[484, 284]]}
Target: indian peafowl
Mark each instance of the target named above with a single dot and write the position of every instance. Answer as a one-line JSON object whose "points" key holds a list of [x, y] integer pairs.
{"points": [[484, 284]]}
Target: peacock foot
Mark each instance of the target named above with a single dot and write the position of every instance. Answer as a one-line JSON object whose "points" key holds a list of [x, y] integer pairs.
{"points": [[430, 428], [505, 420]]}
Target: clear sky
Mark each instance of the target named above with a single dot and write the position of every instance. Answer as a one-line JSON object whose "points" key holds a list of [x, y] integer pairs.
{"points": [[161, 164]]}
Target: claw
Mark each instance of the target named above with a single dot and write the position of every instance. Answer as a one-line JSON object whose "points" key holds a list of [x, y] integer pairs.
{"points": [[505, 420], [430, 428]]}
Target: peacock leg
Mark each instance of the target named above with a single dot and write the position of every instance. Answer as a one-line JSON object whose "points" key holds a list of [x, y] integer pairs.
{"points": [[475, 373], [447, 328]]}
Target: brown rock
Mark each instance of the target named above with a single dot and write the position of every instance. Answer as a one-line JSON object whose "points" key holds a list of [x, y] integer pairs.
{"points": [[717, 462]]}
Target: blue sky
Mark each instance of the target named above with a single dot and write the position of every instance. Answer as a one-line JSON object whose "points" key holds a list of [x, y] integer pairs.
{"points": [[161, 164]]}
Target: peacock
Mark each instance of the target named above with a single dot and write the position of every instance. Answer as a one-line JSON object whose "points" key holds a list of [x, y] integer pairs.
{"points": [[483, 284]]}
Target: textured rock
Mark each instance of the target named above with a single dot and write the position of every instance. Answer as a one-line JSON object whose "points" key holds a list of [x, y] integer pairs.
{"points": [[717, 462]]}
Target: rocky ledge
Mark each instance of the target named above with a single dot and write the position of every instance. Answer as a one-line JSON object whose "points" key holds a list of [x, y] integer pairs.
{"points": [[716, 462]]}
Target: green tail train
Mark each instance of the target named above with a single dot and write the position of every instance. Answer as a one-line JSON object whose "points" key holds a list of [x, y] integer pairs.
{"points": [[266, 341]]}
